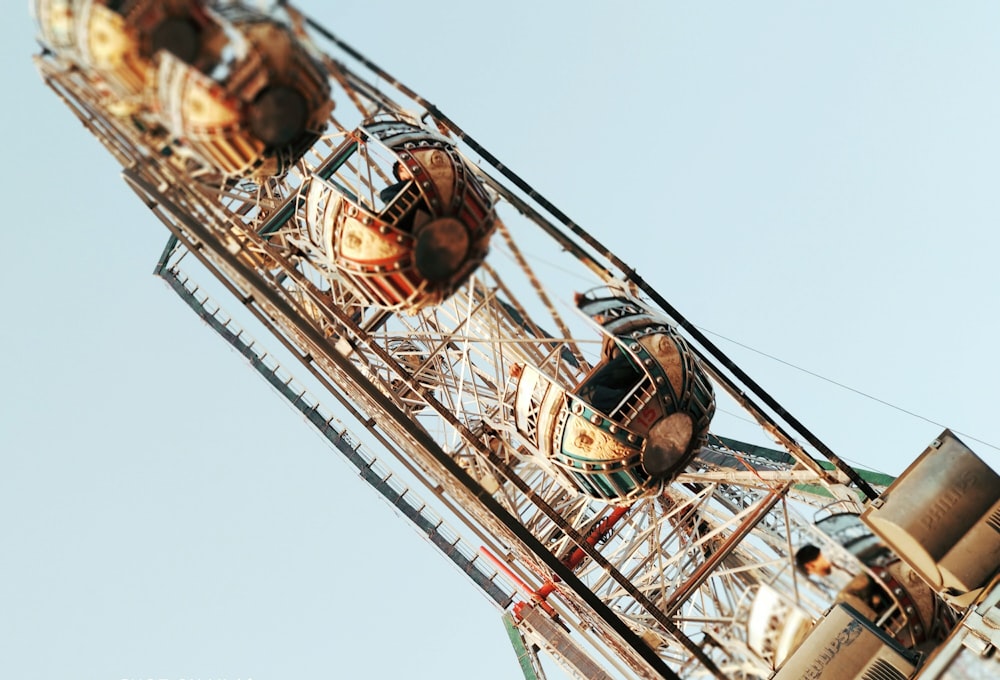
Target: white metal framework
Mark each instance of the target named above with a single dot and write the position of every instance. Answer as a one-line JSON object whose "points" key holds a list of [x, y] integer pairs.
{"points": [[692, 579]]}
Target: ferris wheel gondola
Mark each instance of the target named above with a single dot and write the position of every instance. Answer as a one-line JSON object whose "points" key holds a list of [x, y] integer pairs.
{"points": [[261, 114], [398, 215], [636, 418]]}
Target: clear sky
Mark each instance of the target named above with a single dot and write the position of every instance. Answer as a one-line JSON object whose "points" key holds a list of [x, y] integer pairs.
{"points": [[813, 180]]}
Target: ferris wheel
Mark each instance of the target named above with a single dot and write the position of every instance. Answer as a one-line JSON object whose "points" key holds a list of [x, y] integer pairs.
{"points": [[566, 427]]}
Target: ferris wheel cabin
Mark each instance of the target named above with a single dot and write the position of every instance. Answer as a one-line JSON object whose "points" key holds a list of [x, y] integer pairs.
{"points": [[635, 420], [399, 215]]}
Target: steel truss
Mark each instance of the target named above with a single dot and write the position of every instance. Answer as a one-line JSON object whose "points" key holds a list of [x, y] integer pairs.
{"points": [[662, 586]]}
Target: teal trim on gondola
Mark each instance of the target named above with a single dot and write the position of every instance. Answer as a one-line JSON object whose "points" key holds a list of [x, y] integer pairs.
{"points": [[626, 482], [580, 409], [609, 480], [601, 467], [583, 482], [617, 484]]}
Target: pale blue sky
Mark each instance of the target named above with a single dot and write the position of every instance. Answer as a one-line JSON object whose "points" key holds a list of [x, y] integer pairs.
{"points": [[815, 180]]}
